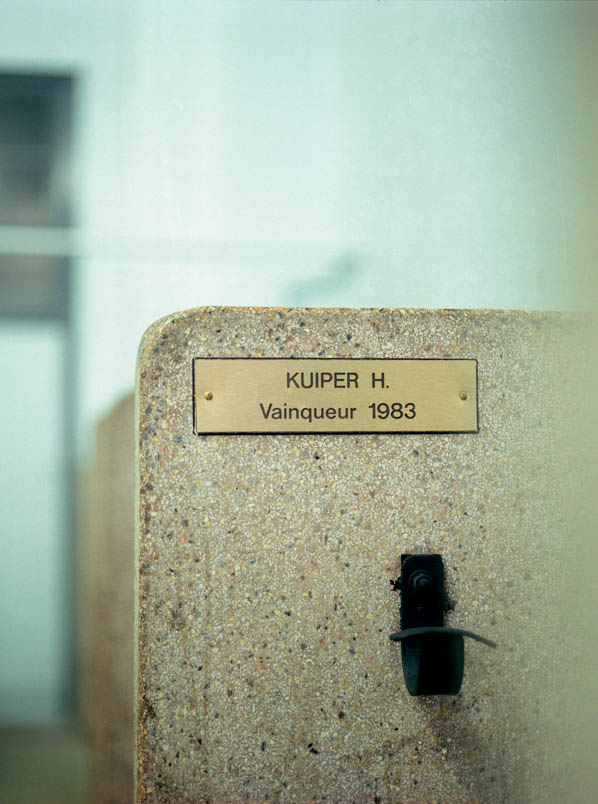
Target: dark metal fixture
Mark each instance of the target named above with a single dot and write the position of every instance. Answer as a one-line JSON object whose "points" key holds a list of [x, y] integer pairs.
{"points": [[432, 653]]}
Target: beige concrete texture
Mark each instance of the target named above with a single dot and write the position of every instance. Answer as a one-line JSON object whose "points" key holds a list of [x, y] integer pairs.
{"points": [[265, 562], [107, 602]]}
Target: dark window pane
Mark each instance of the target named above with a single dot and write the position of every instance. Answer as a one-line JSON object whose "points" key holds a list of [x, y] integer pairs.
{"points": [[34, 150], [33, 286], [23, 119]]}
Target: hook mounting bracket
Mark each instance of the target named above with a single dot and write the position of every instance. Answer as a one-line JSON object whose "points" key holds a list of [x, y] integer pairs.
{"points": [[433, 655]]}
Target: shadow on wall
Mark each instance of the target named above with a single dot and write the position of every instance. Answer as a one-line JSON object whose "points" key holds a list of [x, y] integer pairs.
{"points": [[339, 285]]}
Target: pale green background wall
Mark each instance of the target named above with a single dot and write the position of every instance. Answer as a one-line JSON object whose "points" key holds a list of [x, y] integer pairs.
{"points": [[33, 620], [342, 154]]}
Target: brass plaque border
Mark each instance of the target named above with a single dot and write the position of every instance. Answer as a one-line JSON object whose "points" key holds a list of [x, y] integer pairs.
{"points": [[341, 432]]}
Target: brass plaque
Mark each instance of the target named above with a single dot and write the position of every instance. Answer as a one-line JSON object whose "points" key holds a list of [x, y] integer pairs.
{"points": [[263, 395]]}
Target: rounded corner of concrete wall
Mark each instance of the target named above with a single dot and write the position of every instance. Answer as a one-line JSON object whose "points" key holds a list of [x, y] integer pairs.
{"points": [[150, 337]]}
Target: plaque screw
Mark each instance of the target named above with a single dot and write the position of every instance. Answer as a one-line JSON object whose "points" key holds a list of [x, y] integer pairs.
{"points": [[208, 395], [463, 395]]}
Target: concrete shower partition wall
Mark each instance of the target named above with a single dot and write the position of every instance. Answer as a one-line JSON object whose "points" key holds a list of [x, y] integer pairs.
{"points": [[267, 561]]}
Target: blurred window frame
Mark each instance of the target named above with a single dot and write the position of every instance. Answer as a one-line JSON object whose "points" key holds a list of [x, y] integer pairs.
{"points": [[36, 128]]}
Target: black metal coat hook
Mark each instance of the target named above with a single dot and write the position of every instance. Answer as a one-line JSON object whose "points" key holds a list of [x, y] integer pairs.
{"points": [[432, 653]]}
